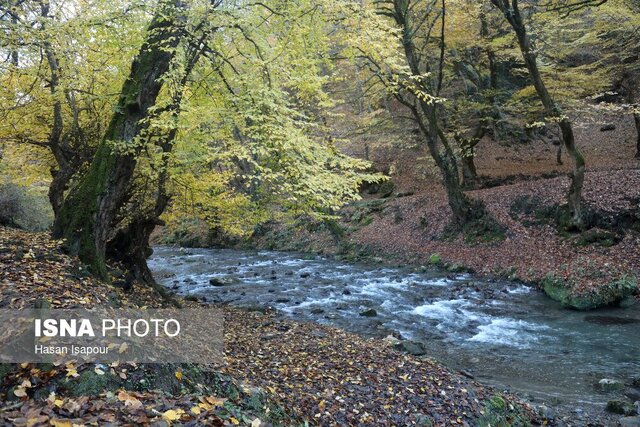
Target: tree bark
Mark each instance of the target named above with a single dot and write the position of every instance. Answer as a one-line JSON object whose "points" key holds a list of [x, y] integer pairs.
{"points": [[87, 215], [559, 155], [636, 119], [469, 172], [510, 10]]}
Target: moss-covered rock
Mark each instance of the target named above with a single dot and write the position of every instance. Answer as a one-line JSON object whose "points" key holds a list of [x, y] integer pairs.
{"points": [[621, 407], [598, 237], [606, 295], [435, 259], [499, 412]]}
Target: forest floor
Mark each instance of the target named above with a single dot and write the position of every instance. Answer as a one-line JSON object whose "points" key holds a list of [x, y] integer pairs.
{"points": [[523, 188], [277, 372]]}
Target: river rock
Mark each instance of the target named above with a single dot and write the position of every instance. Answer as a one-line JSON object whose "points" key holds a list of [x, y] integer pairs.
{"points": [[217, 281], [415, 348], [608, 384], [633, 394], [545, 412], [630, 422], [369, 313], [391, 340], [621, 407], [305, 275], [316, 311]]}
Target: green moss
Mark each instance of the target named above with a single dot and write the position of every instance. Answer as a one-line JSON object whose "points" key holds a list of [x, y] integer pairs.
{"points": [[91, 384], [498, 412], [76, 220], [597, 238], [435, 259], [5, 368], [334, 228], [526, 205], [483, 230], [602, 296], [386, 188]]}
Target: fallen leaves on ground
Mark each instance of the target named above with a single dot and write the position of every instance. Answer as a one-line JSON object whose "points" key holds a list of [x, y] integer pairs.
{"points": [[337, 378]]}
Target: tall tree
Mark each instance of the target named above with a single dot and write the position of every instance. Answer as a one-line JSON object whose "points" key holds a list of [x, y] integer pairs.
{"points": [[512, 13], [88, 213], [420, 89], [253, 108]]}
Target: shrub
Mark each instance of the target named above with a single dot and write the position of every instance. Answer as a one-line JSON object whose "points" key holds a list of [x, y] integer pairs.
{"points": [[24, 209]]}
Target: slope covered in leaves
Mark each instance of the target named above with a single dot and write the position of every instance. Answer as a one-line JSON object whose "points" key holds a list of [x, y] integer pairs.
{"points": [[35, 273]]}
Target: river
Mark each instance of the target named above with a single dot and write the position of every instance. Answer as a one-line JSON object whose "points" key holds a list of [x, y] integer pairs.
{"points": [[505, 334]]}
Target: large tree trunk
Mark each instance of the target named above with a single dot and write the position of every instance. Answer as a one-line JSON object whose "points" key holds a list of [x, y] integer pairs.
{"points": [[509, 9], [130, 245], [87, 216]]}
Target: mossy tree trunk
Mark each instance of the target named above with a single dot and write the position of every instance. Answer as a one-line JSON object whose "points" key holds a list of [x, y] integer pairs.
{"points": [[87, 216], [511, 12], [130, 244]]}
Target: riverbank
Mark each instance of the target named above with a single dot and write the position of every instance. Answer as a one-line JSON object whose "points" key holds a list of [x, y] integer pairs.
{"points": [[278, 372], [500, 332], [594, 268]]}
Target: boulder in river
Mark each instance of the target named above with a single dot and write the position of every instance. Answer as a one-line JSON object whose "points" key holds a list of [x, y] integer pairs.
{"points": [[218, 281], [369, 313], [391, 340], [621, 407], [608, 384], [545, 412], [415, 348], [632, 393]]}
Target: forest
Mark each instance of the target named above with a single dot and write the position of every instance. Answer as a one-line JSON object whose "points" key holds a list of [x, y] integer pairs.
{"points": [[408, 212]]}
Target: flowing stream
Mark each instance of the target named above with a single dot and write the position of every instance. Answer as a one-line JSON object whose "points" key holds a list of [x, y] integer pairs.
{"points": [[503, 333]]}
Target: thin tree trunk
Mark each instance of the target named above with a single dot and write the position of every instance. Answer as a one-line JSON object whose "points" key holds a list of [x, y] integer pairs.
{"points": [[61, 176], [559, 155], [510, 10], [469, 171], [636, 119], [87, 216], [426, 117]]}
